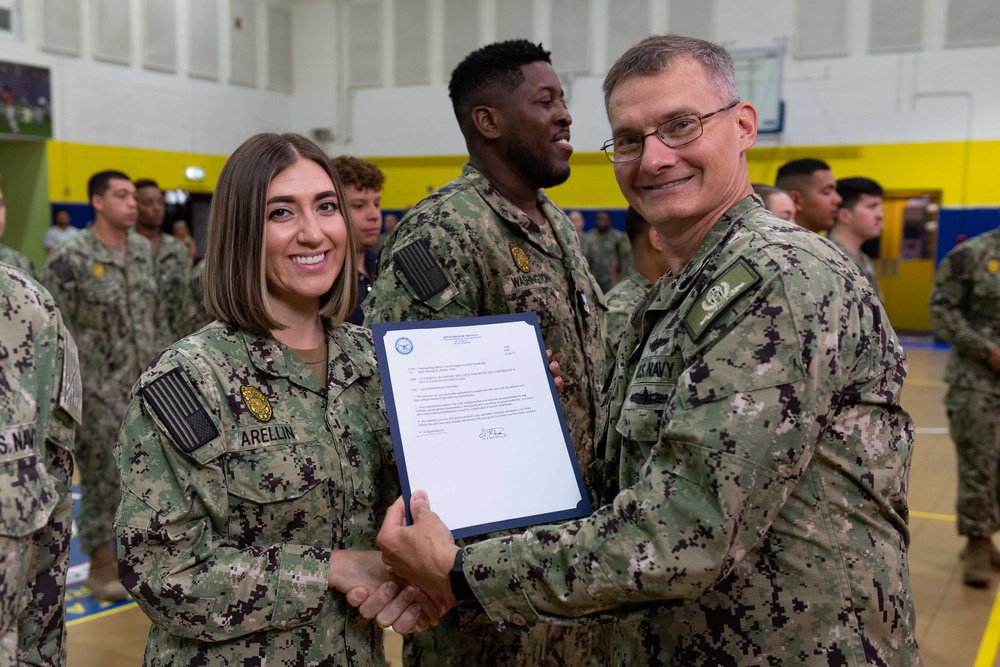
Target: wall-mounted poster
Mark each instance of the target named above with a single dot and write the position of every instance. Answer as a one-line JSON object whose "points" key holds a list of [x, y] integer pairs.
{"points": [[26, 95]]}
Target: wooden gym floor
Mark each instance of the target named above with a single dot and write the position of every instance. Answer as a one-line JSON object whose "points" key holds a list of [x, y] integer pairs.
{"points": [[957, 626]]}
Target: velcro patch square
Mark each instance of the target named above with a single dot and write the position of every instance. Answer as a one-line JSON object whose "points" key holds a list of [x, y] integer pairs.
{"points": [[421, 269], [175, 403], [737, 279]]}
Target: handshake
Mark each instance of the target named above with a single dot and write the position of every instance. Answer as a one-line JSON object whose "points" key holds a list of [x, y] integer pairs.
{"points": [[408, 586]]}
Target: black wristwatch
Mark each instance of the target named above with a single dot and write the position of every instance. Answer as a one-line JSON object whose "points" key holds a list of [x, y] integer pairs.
{"points": [[459, 584]]}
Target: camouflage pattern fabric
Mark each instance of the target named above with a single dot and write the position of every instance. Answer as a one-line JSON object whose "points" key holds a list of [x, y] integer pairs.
{"points": [[755, 473], [490, 258], [113, 312], [622, 300], [11, 257], [240, 472], [609, 256], [965, 311], [865, 265], [174, 272], [40, 403], [974, 426]]}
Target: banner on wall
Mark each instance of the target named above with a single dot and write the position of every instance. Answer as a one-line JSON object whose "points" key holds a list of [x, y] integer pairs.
{"points": [[26, 95]]}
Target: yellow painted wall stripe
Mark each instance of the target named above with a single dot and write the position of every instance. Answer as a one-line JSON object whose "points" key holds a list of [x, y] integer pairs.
{"points": [[962, 171], [71, 165]]}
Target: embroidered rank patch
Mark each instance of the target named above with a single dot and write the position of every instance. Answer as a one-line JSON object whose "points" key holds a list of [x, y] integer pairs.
{"points": [[993, 265], [520, 258], [98, 270], [177, 406], [737, 279], [421, 269], [256, 402]]}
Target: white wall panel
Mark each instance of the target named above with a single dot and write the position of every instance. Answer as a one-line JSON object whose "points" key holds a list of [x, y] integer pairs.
{"points": [[461, 32], [279, 49], [160, 35], [112, 26], [821, 28], [243, 42], [692, 19], [896, 25], [628, 22], [973, 23], [60, 25], [410, 45], [203, 44], [571, 35], [364, 43], [515, 19]]}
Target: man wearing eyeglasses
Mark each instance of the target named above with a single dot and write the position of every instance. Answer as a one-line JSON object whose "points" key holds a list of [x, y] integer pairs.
{"points": [[492, 242], [755, 453]]}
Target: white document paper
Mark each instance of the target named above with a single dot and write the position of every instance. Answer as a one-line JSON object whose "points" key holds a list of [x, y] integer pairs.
{"points": [[477, 424]]}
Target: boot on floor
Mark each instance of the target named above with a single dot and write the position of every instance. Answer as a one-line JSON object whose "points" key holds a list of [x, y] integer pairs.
{"points": [[103, 580], [976, 571]]}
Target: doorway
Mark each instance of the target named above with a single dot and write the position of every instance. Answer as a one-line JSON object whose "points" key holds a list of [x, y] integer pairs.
{"points": [[905, 256]]}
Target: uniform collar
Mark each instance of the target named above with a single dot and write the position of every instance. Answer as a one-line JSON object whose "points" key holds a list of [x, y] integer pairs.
{"points": [[546, 241], [348, 362], [718, 235], [135, 247]]}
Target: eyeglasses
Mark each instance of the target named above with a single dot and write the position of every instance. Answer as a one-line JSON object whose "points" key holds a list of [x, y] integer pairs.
{"points": [[674, 133]]}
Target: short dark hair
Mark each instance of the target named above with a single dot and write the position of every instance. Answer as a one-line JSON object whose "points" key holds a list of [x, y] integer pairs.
{"points": [[362, 174], [147, 183], [656, 53], [851, 189], [797, 174], [494, 67], [98, 183], [235, 284], [635, 225]]}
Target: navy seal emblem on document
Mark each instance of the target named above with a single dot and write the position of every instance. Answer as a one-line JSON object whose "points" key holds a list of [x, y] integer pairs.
{"points": [[257, 403]]}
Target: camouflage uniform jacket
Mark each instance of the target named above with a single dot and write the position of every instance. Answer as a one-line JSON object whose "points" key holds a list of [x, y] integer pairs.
{"points": [[40, 402], [622, 299], [240, 472], [965, 311], [756, 472], [11, 257], [603, 251], [113, 312], [865, 265], [492, 259], [174, 274]]}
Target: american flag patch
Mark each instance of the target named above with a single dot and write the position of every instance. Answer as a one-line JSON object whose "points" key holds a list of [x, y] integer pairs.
{"points": [[421, 269], [174, 402]]}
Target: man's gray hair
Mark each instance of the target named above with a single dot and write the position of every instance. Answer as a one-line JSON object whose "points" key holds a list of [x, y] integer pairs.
{"points": [[656, 53]]}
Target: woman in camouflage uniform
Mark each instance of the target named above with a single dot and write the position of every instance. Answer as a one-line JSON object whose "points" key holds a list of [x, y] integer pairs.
{"points": [[255, 457]]}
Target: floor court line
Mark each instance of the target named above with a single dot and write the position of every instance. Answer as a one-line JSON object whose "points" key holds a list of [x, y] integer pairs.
{"points": [[987, 655], [101, 614], [933, 515]]}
